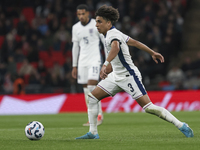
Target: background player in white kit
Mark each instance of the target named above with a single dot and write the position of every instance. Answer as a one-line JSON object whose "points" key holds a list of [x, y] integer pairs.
{"points": [[125, 75], [86, 54]]}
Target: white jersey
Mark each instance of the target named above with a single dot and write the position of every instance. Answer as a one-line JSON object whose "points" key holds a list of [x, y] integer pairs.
{"points": [[88, 38], [122, 64]]}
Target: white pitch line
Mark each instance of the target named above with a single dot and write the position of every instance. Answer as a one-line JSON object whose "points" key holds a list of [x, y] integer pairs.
{"points": [[14, 129]]}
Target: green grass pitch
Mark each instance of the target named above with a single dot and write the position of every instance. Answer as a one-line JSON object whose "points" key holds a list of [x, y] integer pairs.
{"points": [[119, 131]]}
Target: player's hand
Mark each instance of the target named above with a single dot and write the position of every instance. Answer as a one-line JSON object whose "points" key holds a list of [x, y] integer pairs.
{"points": [[156, 56], [74, 72], [109, 68], [103, 73]]}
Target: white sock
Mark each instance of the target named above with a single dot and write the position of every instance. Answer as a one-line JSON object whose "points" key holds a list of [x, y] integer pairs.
{"points": [[162, 113], [93, 113], [86, 91], [91, 88], [100, 109]]}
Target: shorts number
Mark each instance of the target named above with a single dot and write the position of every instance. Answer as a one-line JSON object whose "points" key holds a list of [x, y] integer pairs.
{"points": [[95, 69], [131, 87]]}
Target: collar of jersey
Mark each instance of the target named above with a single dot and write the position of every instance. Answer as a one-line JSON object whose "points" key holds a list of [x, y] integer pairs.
{"points": [[113, 27], [87, 23]]}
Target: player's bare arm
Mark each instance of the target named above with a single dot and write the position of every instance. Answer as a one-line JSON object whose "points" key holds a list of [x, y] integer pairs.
{"points": [[141, 46], [113, 53]]}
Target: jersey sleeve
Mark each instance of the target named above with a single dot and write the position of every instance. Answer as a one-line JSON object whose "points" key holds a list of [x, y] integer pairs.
{"points": [[114, 37], [118, 36], [74, 35], [125, 37]]}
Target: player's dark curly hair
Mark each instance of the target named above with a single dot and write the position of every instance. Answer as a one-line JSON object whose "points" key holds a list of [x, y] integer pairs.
{"points": [[82, 6], [108, 13]]}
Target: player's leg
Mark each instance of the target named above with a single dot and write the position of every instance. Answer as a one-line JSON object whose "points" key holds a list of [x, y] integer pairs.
{"points": [[83, 79], [93, 78], [94, 97], [105, 88], [134, 87], [163, 113], [86, 92], [91, 86]]}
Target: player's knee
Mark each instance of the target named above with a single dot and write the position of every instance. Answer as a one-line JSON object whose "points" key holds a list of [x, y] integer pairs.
{"points": [[153, 109], [92, 99], [91, 87]]}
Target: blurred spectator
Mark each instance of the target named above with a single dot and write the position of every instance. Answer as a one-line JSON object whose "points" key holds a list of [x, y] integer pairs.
{"points": [[11, 66], [53, 24], [33, 40], [166, 48], [69, 24], [122, 7], [176, 77], [179, 22], [8, 47], [22, 25], [48, 40], [2, 72], [192, 83], [58, 70], [33, 30], [90, 5], [40, 45], [8, 25], [34, 78], [54, 80], [56, 44], [2, 28], [41, 68], [19, 87], [62, 35], [67, 81], [26, 68], [187, 67], [148, 14], [19, 56], [44, 11], [67, 66], [32, 54], [8, 84], [103, 2], [58, 10], [157, 35], [42, 27], [196, 63], [70, 5]]}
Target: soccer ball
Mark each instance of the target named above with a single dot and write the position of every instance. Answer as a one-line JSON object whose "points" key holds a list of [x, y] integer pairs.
{"points": [[34, 130]]}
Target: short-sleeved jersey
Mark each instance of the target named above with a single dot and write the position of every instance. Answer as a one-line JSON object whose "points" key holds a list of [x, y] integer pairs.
{"points": [[88, 38], [122, 64]]}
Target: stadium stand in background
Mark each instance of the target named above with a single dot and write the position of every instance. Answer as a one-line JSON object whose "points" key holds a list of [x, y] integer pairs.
{"points": [[35, 43]]}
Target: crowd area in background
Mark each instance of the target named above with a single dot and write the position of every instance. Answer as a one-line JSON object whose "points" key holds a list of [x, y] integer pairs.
{"points": [[36, 47]]}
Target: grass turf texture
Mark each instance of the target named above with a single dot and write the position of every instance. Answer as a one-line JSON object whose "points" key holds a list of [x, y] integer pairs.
{"points": [[119, 131]]}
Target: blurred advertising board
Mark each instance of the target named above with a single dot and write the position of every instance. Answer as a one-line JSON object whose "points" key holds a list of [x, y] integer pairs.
{"points": [[121, 102]]}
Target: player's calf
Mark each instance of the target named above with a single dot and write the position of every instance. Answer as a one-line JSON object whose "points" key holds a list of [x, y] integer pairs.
{"points": [[93, 113], [162, 113]]}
